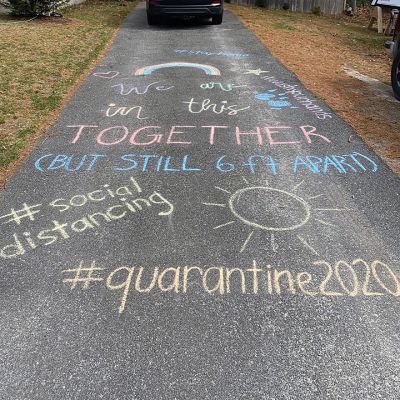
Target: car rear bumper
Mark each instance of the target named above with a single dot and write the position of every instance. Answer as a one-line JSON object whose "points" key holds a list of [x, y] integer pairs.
{"points": [[190, 11]]}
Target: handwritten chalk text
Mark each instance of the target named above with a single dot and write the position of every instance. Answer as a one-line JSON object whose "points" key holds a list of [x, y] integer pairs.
{"points": [[114, 110], [179, 135], [127, 201], [196, 107], [210, 53], [256, 163], [125, 90], [338, 279], [225, 87], [298, 95]]}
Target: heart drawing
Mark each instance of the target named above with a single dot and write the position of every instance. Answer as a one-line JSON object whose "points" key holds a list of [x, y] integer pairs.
{"points": [[106, 75]]}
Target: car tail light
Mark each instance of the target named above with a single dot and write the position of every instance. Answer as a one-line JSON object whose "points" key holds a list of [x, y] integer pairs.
{"points": [[152, 2], [215, 2]]}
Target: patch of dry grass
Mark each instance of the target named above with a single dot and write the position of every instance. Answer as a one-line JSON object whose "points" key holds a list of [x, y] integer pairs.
{"points": [[315, 48], [41, 60]]}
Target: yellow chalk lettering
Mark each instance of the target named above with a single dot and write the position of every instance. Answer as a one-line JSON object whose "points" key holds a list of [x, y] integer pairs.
{"points": [[186, 271], [123, 191], [64, 207], [255, 270], [85, 225], [365, 286], [302, 282], [220, 283], [114, 216], [325, 281], [93, 220], [269, 280], [136, 202], [78, 201], [139, 278], [354, 276], [393, 277], [174, 285], [91, 196], [229, 272], [162, 200], [123, 285], [289, 278]]}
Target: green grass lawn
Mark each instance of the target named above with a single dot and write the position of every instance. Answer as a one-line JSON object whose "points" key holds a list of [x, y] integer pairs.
{"points": [[40, 61]]}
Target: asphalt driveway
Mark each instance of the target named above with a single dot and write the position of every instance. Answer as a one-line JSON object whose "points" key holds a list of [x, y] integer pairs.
{"points": [[197, 225]]}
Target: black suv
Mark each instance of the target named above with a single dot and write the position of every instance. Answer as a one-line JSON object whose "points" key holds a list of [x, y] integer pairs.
{"points": [[156, 9]]}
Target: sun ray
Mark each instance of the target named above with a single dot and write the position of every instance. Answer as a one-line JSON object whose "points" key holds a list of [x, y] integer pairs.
{"points": [[324, 222], [274, 245], [223, 190], [246, 241], [315, 197], [331, 209], [297, 186], [214, 204], [306, 244], [227, 223]]}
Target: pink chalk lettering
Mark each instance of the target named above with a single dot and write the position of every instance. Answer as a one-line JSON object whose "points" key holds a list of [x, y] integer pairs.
{"points": [[113, 128], [80, 130], [309, 131], [156, 137], [172, 132], [274, 130], [212, 131], [258, 133]]}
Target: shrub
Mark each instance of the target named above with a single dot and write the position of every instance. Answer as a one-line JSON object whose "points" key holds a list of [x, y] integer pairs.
{"points": [[32, 7], [286, 6], [316, 10], [260, 3]]}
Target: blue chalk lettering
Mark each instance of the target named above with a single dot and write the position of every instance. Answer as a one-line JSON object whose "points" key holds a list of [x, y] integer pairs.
{"points": [[299, 161], [185, 167], [38, 165], [167, 167], [268, 160], [129, 158], [341, 161], [374, 164], [61, 159], [224, 166], [146, 158], [329, 162]]}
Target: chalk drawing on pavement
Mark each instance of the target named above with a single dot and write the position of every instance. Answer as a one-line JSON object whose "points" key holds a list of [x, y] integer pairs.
{"points": [[211, 53], [321, 279], [197, 107], [225, 87], [149, 69], [113, 110], [79, 213], [106, 75], [255, 72], [126, 90], [275, 101], [272, 210], [301, 98]]}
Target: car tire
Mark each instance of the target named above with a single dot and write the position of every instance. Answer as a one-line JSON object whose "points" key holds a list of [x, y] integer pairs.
{"points": [[217, 20], [396, 76], [151, 19]]}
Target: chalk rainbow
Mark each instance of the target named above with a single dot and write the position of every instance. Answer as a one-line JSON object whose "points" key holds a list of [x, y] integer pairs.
{"points": [[148, 70]]}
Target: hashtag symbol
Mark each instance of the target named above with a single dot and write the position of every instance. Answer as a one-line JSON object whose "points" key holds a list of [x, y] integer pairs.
{"points": [[82, 275], [18, 215]]}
